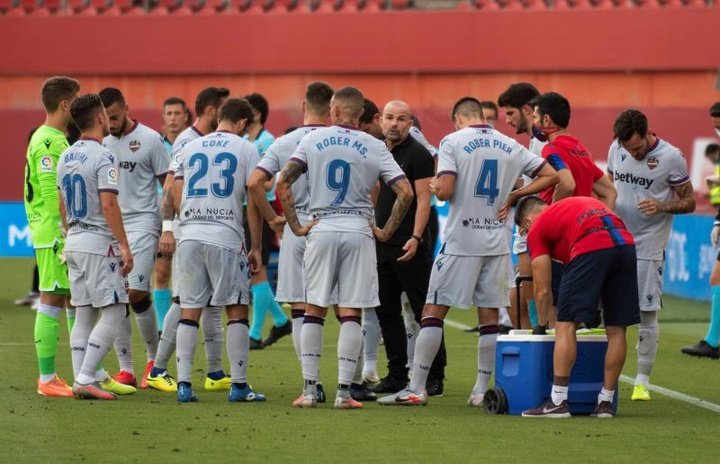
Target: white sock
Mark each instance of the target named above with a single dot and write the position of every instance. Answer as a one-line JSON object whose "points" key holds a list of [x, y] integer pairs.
{"points": [[487, 342], [166, 347], [238, 346], [371, 340], [186, 341], [101, 375], [311, 341], [147, 323], [412, 328], [426, 347], [559, 394], [349, 346], [647, 346], [298, 314], [123, 345], [85, 317], [606, 395], [100, 340], [360, 366], [211, 323]]}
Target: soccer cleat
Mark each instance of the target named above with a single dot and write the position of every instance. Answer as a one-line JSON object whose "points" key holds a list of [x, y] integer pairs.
{"points": [[222, 384], [305, 401], [702, 350], [148, 368], [113, 386], [185, 393], [245, 394], [126, 378], [360, 392], [91, 391], [640, 393], [435, 387], [162, 382], [56, 388], [321, 397], [549, 410], [476, 400], [370, 378], [388, 385], [28, 300], [256, 344], [604, 410], [346, 402], [276, 333], [404, 398]]}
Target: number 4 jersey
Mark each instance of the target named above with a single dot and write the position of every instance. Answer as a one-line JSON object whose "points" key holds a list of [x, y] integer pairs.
{"points": [[85, 170], [486, 165], [215, 169]]}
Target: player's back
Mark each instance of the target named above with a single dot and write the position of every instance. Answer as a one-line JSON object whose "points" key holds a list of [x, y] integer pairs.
{"points": [[188, 135], [215, 170], [566, 152]]}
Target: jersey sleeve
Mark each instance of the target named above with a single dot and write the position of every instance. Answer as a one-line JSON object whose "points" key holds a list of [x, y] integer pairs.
{"points": [[555, 156], [611, 157], [270, 163], [678, 172], [530, 162], [446, 158], [159, 157], [107, 173], [390, 172], [300, 155]]}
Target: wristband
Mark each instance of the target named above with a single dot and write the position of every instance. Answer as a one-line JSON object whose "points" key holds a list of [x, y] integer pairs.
{"points": [[419, 239], [716, 223], [167, 226]]}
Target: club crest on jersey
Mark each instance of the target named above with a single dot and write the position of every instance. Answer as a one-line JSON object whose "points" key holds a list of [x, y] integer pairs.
{"points": [[134, 145], [46, 164], [112, 176], [653, 162]]}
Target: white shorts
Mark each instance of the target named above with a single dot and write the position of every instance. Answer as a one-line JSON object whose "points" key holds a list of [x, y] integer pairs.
{"points": [[144, 247], [344, 260], [209, 275], [291, 285], [174, 272], [95, 280], [519, 242], [463, 281], [650, 284]]}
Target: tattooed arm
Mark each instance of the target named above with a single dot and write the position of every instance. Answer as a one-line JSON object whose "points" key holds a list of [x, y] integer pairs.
{"points": [[684, 203], [404, 194], [167, 213], [290, 173]]}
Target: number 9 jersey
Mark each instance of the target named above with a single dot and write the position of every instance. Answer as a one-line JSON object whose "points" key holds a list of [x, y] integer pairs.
{"points": [[215, 169]]}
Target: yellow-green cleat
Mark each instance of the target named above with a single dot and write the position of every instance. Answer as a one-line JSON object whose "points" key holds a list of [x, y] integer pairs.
{"points": [[222, 384], [111, 385], [162, 382], [640, 393]]}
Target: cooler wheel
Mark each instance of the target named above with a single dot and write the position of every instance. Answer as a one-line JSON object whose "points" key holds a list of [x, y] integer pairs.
{"points": [[495, 401]]}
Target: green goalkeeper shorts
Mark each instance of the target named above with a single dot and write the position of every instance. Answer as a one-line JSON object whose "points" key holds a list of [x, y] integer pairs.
{"points": [[52, 269]]}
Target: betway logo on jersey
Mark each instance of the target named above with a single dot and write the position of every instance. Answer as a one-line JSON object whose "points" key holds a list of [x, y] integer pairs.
{"points": [[630, 178], [129, 165]]}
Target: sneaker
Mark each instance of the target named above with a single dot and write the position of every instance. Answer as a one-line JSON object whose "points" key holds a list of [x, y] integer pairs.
{"points": [[405, 398], [245, 394], [56, 388], [603, 410], [113, 386], [360, 392], [162, 382], [28, 300], [435, 387], [276, 333], [305, 401], [126, 378], [476, 401], [256, 344], [640, 393], [550, 410], [370, 378], [388, 385], [148, 368], [702, 350], [222, 384], [185, 393], [321, 397], [347, 402], [91, 391]]}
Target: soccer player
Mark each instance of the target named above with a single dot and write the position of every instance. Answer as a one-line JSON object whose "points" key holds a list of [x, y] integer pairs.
{"points": [[601, 264], [207, 104], [316, 110], [97, 249], [212, 260], [43, 214], [490, 112], [346, 163], [652, 182], [143, 163], [477, 169]]}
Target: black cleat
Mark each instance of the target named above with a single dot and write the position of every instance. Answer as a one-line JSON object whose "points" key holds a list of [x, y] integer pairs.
{"points": [[360, 392], [256, 344], [320, 395], [435, 387], [473, 329], [388, 385], [276, 333], [702, 350]]}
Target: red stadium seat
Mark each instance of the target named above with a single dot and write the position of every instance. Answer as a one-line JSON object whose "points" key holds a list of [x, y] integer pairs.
{"points": [[6, 5], [53, 6], [534, 4], [352, 6], [321, 6], [399, 4], [509, 5], [284, 6], [251, 6], [125, 7], [374, 5], [210, 7]]}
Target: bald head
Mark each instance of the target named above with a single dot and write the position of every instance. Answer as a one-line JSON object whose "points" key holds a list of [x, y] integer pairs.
{"points": [[396, 122], [347, 106]]}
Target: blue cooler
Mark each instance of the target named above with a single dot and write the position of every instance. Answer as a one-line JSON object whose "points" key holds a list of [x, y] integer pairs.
{"points": [[524, 372]]}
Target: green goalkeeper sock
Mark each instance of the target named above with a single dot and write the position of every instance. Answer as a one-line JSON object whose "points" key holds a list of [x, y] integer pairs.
{"points": [[47, 331]]}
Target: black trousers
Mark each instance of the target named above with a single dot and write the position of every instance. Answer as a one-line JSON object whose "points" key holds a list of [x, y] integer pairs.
{"points": [[413, 278]]}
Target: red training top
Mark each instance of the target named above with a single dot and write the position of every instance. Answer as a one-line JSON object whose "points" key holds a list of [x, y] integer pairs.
{"points": [[566, 152]]}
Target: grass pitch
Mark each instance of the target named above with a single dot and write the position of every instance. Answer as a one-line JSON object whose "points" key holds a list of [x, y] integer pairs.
{"points": [[152, 427]]}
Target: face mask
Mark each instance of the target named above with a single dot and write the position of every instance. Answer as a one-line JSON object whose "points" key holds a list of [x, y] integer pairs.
{"points": [[539, 134]]}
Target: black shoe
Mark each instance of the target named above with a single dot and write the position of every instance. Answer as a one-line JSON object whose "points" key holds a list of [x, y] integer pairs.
{"points": [[388, 385], [505, 329], [435, 387], [360, 392], [702, 350], [256, 344], [473, 329], [276, 333], [321, 398]]}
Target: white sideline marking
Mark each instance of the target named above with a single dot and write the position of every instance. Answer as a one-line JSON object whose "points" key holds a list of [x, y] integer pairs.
{"points": [[699, 402]]}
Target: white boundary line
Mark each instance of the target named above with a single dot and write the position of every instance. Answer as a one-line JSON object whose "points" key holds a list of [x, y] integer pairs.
{"points": [[699, 402]]}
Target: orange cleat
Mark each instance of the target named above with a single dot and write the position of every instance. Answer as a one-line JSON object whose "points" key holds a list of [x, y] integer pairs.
{"points": [[56, 388], [126, 378], [148, 368], [91, 391]]}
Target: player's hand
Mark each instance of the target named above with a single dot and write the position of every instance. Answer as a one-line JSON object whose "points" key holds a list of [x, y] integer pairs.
{"points": [[433, 186], [714, 235], [255, 260], [504, 210], [167, 243], [410, 249], [277, 224], [649, 206], [127, 262], [304, 230], [379, 234]]}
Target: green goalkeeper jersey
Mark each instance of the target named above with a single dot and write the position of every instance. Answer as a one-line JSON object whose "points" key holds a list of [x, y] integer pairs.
{"points": [[41, 193]]}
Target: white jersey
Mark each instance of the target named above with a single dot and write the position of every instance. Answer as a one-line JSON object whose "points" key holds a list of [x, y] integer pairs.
{"points": [[216, 170], [279, 153], [343, 166], [420, 137], [84, 171], [142, 159], [655, 176], [486, 165], [186, 136]]}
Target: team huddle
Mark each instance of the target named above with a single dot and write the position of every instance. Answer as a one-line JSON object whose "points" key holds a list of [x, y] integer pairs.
{"points": [[356, 233]]}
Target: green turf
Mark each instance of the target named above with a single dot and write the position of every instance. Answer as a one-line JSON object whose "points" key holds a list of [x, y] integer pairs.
{"points": [[153, 427]]}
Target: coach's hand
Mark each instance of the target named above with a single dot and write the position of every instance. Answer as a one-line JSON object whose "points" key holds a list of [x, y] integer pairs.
{"points": [[167, 243], [127, 262], [255, 260], [410, 249], [714, 235]]}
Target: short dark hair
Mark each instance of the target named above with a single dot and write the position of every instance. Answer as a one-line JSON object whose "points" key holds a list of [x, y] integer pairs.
{"points": [[353, 99], [416, 122], [518, 95], [712, 148], [715, 110], [554, 105], [487, 104], [628, 123], [211, 96], [370, 109], [467, 107], [526, 206], [260, 104], [57, 89], [83, 110], [317, 97], [174, 101], [235, 109], [110, 96]]}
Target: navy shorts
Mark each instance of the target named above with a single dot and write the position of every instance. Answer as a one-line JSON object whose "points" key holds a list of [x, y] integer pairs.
{"points": [[609, 275]]}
